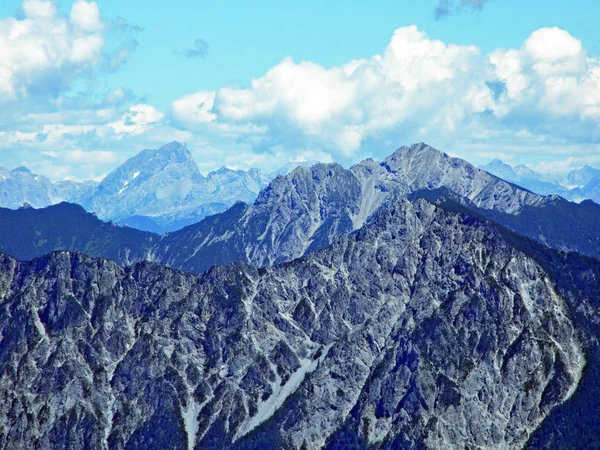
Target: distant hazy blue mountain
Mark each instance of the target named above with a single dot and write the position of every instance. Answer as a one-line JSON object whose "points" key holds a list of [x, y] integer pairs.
{"points": [[163, 190], [154, 183], [20, 185], [582, 176], [528, 178], [73, 191], [157, 190], [501, 170], [579, 185], [312, 206]]}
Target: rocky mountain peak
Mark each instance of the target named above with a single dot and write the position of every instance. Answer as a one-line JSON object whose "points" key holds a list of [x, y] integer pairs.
{"points": [[425, 328], [417, 156], [173, 151], [583, 175], [154, 160], [317, 177], [500, 169], [20, 185], [221, 170], [21, 169]]}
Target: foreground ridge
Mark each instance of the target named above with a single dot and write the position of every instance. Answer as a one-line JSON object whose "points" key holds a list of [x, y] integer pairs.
{"points": [[468, 338]]}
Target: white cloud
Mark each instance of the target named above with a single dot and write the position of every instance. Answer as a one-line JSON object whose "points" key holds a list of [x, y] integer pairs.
{"points": [[552, 87], [54, 134], [417, 88], [87, 48], [91, 127], [86, 15], [13, 137], [39, 9], [554, 51], [137, 120], [195, 108], [44, 52], [90, 157], [538, 100], [342, 106]]}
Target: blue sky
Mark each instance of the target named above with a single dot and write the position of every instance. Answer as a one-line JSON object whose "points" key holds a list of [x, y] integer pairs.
{"points": [[89, 84]]}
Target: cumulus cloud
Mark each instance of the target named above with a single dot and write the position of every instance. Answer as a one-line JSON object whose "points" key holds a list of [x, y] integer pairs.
{"points": [[304, 104], [86, 15], [39, 9], [137, 120], [44, 51], [548, 79], [418, 88], [195, 108], [541, 98]]}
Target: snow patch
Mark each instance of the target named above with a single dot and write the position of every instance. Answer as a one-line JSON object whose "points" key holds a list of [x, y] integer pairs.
{"points": [[39, 325], [135, 175], [281, 393], [190, 419]]}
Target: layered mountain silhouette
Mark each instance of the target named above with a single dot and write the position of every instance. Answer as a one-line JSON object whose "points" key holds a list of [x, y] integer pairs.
{"points": [[426, 327], [157, 190], [416, 302], [579, 184], [310, 207]]}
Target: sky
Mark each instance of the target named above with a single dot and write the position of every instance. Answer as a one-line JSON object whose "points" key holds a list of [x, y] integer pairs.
{"points": [[86, 85]]}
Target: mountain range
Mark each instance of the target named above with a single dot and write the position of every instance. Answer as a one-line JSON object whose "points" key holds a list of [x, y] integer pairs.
{"points": [[416, 302], [426, 328], [157, 190], [162, 190], [308, 209], [579, 184]]}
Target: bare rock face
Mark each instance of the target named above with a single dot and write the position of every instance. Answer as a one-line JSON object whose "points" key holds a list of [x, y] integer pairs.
{"points": [[303, 211], [311, 206], [20, 185], [425, 328], [163, 190]]}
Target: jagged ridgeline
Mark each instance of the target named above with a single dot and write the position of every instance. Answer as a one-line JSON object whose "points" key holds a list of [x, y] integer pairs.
{"points": [[359, 315], [306, 210], [157, 190], [427, 328]]}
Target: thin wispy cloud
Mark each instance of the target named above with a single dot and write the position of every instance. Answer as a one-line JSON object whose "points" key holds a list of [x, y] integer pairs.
{"points": [[122, 54], [122, 25], [448, 7], [199, 50]]}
